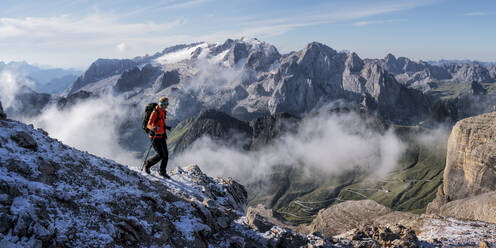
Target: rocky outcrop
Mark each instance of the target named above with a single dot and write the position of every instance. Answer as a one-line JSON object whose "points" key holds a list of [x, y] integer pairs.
{"points": [[100, 69], [24, 140], [267, 128], [470, 171], [168, 79], [75, 98], [2, 114], [216, 124], [345, 216], [135, 77], [480, 207], [257, 221], [395, 236]]}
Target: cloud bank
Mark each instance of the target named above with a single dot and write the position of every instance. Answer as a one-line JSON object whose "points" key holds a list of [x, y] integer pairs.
{"points": [[328, 143]]}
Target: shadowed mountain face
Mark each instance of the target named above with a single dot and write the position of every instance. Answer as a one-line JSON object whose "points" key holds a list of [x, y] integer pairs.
{"points": [[215, 124], [230, 131], [100, 69]]}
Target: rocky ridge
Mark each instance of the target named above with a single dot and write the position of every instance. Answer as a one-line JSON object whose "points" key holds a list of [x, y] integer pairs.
{"points": [[422, 74], [469, 189]]}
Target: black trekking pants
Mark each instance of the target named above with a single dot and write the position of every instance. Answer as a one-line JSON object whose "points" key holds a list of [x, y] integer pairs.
{"points": [[160, 146]]}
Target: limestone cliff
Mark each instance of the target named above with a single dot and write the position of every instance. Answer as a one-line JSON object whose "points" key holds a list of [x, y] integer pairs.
{"points": [[470, 171]]}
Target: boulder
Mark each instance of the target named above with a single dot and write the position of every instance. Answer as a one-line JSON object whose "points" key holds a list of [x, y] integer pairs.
{"points": [[345, 216], [2, 114], [481, 207], [470, 170], [257, 221], [23, 139]]}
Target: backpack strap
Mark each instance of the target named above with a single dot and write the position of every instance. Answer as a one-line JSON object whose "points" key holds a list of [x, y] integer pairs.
{"points": [[158, 116]]}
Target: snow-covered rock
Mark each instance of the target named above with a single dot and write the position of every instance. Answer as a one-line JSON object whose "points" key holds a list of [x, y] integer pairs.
{"points": [[57, 196]]}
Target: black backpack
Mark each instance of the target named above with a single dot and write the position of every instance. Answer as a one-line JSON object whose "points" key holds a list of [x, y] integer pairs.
{"points": [[148, 111]]}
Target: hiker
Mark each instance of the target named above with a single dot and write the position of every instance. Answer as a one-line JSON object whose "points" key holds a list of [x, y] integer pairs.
{"points": [[158, 135]]}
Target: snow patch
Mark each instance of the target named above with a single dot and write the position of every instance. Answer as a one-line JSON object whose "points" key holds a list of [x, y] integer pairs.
{"points": [[180, 55]]}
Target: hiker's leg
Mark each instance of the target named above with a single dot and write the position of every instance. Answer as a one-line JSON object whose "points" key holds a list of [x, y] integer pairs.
{"points": [[158, 149], [165, 158]]}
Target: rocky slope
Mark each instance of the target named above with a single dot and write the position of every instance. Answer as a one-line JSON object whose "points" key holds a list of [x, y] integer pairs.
{"points": [[469, 188], [55, 195]]}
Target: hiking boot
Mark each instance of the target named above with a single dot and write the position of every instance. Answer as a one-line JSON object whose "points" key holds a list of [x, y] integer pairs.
{"points": [[164, 175], [147, 168]]}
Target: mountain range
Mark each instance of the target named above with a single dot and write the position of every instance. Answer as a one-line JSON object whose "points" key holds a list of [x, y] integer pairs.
{"points": [[247, 78], [44, 79]]}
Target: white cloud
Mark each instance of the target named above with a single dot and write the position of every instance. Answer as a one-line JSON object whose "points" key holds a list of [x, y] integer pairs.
{"points": [[476, 13], [10, 85], [372, 22], [279, 26], [329, 143], [366, 23], [121, 47], [187, 4], [78, 41], [93, 127], [92, 26]]}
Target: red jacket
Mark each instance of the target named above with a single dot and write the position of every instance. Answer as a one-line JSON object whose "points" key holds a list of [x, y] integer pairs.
{"points": [[160, 114]]}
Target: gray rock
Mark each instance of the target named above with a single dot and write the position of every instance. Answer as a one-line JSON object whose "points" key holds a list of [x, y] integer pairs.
{"points": [[25, 140], [257, 221], [135, 77], [481, 207], [5, 222], [100, 69], [2, 114], [345, 216]]}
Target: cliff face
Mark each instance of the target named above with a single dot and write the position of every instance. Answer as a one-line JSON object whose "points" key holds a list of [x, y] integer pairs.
{"points": [[471, 158], [470, 171]]}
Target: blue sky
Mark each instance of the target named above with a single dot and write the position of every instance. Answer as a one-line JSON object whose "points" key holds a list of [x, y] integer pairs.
{"points": [[75, 33]]}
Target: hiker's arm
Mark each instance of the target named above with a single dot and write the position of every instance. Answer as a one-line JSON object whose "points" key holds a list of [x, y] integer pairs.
{"points": [[151, 121]]}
